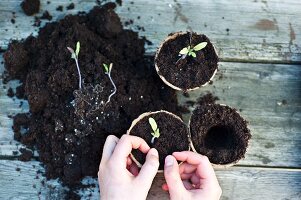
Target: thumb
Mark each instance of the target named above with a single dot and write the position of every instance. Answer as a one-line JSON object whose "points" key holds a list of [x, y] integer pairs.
{"points": [[173, 179], [150, 168]]}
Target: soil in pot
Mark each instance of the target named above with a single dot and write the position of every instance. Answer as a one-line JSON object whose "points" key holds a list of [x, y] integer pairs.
{"points": [[190, 72], [70, 139], [220, 133], [173, 135]]}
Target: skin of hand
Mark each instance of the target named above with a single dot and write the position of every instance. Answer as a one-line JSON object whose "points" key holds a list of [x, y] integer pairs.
{"points": [[118, 175], [192, 179]]}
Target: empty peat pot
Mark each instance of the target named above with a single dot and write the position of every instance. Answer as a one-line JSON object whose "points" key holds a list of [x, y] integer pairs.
{"points": [[189, 71], [220, 133], [173, 135]]}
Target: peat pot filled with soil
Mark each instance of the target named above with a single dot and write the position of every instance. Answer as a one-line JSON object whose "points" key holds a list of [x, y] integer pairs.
{"points": [[220, 133], [161, 130], [186, 61]]}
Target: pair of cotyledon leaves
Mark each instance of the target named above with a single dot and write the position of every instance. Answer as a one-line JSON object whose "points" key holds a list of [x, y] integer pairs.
{"points": [[188, 51], [156, 132]]}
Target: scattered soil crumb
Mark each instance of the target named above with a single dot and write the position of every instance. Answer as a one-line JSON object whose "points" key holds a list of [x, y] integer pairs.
{"points": [[46, 15], [98, 2], [10, 92], [18, 169], [13, 21], [186, 94], [26, 154], [21, 104], [119, 2], [20, 92], [37, 22], [148, 42], [140, 28], [30, 7], [70, 6], [60, 8], [129, 22], [207, 99]]}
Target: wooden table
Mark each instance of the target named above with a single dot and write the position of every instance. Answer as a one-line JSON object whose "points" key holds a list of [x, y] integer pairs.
{"points": [[259, 43]]}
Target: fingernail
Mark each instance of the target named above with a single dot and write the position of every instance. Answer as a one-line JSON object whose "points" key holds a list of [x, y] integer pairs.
{"points": [[154, 152], [169, 161]]}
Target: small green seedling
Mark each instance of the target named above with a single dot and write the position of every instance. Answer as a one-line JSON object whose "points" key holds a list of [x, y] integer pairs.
{"points": [[156, 132], [108, 69], [74, 55], [188, 51]]}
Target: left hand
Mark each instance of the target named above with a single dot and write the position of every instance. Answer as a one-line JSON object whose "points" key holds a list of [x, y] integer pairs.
{"points": [[118, 176]]}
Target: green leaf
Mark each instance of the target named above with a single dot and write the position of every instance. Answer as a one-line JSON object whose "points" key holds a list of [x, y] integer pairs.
{"points": [[105, 66], [73, 56], [157, 133], [77, 49], [200, 46], [193, 54], [184, 51], [110, 67], [153, 124]]}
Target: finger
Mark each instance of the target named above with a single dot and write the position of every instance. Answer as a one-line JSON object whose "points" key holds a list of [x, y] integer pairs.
{"points": [[150, 168], [188, 185], [133, 168], [172, 177], [165, 187], [125, 146], [195, 179], [204, 167], [109, 147], [187, 168], [186, 176], [129, 161]]}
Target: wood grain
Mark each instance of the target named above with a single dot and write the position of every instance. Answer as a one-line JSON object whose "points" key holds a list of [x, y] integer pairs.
{"points": [[23, 180], [249, 30], [269, 96]]}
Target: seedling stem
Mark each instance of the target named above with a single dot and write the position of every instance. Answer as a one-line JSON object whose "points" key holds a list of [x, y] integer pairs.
{"points": [[74, 55], [108, 70]]}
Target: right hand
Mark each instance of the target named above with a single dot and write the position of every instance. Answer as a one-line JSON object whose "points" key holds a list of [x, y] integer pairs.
{"points": [[193, 179]]}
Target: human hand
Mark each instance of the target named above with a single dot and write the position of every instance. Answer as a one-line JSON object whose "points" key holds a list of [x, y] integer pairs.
{"points": [[193, 179], [118, 175]]}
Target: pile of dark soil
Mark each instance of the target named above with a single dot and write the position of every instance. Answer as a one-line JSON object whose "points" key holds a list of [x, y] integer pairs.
{"points": [[70, 146], [173, 135]]}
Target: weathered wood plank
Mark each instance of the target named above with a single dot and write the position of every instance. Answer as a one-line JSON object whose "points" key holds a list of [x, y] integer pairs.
{"points": [[250, 30], [269, 96], [235, 182]]}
